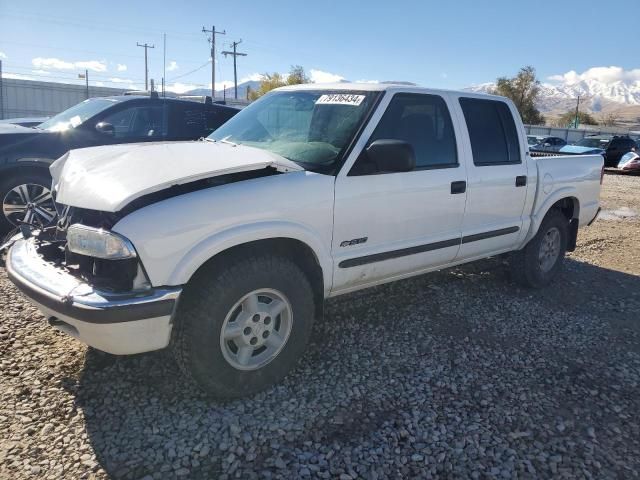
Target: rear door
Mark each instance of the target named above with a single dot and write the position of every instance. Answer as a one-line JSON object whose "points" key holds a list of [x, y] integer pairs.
{"points": [[392, 224], [497, 177], [187, 120]]}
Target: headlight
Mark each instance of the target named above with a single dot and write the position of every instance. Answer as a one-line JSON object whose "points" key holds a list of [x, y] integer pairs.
{"points": [[94, 242]]}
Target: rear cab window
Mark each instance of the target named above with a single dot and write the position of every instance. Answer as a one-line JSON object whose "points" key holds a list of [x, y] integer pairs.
{"points": [[492, 132]]}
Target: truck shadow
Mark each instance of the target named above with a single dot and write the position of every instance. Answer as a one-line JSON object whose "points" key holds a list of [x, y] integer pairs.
{"points": [[367, 358]]}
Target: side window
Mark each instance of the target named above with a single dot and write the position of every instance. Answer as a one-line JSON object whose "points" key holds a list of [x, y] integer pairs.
{"points": [[141, 121], [492, 131], [424, 122], [187, 120]]}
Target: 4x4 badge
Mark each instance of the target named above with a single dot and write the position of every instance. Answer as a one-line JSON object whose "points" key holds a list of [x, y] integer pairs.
{"points": [[355, 241]]}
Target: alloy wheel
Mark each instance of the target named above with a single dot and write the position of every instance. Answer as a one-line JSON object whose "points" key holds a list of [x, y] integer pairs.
{"points": [[256, 329], [29, 203]]}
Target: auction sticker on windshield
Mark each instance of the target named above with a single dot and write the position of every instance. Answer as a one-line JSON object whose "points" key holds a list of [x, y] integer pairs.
{"points": [[340, 99]]}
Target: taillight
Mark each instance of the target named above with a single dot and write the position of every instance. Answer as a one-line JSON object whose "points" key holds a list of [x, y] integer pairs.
{"points": [[601, 174]]}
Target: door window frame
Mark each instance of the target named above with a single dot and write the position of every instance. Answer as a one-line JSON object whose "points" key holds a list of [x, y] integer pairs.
{"points": [[377, 118]]}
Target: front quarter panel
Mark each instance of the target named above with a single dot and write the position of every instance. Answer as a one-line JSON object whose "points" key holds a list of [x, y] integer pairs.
{"points": [[176, 236]]}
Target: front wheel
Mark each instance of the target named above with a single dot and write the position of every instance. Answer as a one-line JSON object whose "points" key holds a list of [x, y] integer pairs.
{"points": [[242, 325], [537, 264]]}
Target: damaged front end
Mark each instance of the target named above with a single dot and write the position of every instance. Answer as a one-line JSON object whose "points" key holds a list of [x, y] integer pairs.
{"points": [[89, 283], [71, 245]]}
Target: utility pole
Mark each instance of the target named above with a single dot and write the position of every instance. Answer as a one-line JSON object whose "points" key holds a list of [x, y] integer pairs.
{"points": [[575, 123], [85, 75], [164, 61], [235, 70], [213, 33], [146, 68], [1, 93]]}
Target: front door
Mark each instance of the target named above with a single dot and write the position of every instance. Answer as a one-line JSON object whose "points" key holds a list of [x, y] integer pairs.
{"points": [[391, 224]]}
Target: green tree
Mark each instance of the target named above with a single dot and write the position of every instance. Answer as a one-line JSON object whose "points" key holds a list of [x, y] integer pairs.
{"points": [[569, 118], [270, 81], [523, 90]]}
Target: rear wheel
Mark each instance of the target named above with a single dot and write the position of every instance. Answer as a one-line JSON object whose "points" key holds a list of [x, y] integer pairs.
{"points": [[241, 326], [26, 198], [537, 264]]}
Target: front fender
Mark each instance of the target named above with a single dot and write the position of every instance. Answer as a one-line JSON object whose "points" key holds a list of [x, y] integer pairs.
{"points": [[222, 241]]}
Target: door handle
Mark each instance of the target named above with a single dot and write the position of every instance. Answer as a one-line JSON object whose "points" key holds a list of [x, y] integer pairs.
{"points": [[458, 187], [521, 180]]}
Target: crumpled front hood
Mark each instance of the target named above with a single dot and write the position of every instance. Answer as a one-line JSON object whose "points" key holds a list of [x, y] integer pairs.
{"points": [[109, 178]]}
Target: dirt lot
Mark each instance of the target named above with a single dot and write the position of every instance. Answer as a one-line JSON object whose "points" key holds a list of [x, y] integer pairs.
{"points": [[457, 374]]}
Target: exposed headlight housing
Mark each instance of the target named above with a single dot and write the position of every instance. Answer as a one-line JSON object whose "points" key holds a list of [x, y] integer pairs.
{"points": [[98, 243]]}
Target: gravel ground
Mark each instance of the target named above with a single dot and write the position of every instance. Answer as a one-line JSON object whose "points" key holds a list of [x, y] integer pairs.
{"points": [[457, 374]]}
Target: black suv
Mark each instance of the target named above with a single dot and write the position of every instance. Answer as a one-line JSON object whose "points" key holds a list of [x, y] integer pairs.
{"points": [[26, 153], [614, 147]]}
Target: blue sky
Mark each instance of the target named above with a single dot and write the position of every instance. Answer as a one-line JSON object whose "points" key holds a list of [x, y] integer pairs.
{"points": [[449, 44]]}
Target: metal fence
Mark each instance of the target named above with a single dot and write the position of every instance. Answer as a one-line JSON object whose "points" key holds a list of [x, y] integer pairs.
{"points": [[572, 135], [29, 98]]}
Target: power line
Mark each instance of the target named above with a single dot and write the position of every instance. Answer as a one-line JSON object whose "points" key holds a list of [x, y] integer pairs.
{"points": [[146, 68], [212, 39], [235, 70], [192, 71]]}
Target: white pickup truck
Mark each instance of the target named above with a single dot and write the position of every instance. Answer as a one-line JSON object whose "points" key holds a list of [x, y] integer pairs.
{"points": [[225, 248]]}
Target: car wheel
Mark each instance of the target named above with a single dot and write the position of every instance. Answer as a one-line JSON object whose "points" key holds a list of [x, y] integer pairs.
{"points": [[26, 198], [537, 264], [240, 327]]}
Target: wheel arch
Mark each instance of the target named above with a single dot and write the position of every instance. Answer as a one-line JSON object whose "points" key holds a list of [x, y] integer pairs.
{"points": [[297, 243], [31, 166], [566, 202]]}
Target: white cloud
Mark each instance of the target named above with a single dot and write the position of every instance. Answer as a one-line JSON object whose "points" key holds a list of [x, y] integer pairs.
{"points": [[121, 67], [41, 72], [18, 76], [120, 80], [602, 74], [180, 87], [172, 66], [57, 64], [254, 77], [3, 55], [367, 81], [318, 76], [99, 84]]}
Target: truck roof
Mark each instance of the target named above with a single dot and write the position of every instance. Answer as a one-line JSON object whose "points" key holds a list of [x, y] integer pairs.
{"points": [[379, 87]]}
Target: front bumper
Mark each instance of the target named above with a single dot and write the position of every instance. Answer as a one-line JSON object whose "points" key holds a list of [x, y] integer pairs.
{"points": [[112, 322]]}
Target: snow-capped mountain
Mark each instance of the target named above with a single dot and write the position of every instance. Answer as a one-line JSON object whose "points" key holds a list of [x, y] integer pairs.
{"points": [[595, 95]]}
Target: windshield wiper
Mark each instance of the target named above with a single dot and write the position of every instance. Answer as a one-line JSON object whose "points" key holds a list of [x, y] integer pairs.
{"points": [[228, 142]]}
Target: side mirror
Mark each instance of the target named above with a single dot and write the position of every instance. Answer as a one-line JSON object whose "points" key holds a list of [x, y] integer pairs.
{"points": [[392, 155], [106, 129]]}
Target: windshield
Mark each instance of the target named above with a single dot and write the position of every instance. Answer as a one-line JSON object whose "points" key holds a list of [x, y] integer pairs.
{"points": [[74, 116], [593, 142], [532, 140], [309, 127]]}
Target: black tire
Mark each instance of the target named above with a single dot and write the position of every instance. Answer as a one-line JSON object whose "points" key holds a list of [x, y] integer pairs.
{"points": [[206, 302], [12, 181], [525, 265]]}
